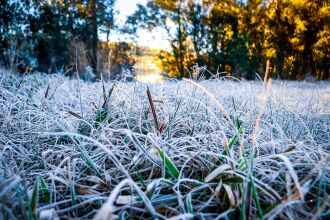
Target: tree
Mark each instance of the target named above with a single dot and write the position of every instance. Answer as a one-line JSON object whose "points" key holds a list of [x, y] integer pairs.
{"points": [[204, 33], [163, 14], [15, 31], [232, 36], [240, 36], [293, 30], [49, 30], [80, 21]]}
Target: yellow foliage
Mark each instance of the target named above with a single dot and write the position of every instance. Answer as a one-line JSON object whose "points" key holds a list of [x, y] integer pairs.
{"points": [[299, 3], [271, 53], [323, 41], [324, 11], [300, 25], [228, 68]]}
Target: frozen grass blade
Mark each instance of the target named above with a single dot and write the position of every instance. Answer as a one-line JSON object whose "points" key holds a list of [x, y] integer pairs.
{"points": [[215, 173], [44, 189], [73, 194], [173, 170], [33, 202], [189, 204], [140, 177], [153, 109], [47, 91], [227, 149], [153, 185], [107, 98], [75, 115]]}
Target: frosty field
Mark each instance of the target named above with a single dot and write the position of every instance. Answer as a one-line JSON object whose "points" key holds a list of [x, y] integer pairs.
{"points": [[218, 149]]}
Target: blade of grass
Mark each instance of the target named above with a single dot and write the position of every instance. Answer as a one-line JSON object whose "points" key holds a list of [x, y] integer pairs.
{"points": [[104, 93], [89, 161], [44, 189], [237, 122], [47, 91], [231, 195], [153, 109], [154, 184], [215, 173], [73, 195], [232, 180], [256, 198], [140, 177], [75, 114], [189, 204], [227, 149], [33, 202], [169, 164]]}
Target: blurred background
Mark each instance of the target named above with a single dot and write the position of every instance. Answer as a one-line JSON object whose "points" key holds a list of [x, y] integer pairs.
{"points": [[150, 39]]}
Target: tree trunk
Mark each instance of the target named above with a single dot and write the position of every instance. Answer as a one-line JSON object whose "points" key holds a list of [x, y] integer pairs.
{"points": [[180, 38], [281, 43], [93, 44]]}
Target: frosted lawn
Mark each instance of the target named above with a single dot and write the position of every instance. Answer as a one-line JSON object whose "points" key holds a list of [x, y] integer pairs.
{"points": [[211, 149]]}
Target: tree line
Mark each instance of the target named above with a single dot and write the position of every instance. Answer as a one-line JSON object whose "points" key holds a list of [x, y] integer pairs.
{"points": [[55, 35], [233, 37], [238, 37]]}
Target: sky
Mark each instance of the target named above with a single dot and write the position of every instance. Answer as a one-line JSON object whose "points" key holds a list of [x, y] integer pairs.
{"points": [[156, 39], [127, 7]]}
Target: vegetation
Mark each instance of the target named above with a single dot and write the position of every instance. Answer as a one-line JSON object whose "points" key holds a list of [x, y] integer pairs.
{"points": [[207, 146], [233, 37], [187, 149], [237, 37], [52, 36]]}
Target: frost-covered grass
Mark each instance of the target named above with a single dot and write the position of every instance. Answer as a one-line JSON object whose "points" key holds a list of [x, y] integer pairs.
{"points": [[210, 149]]}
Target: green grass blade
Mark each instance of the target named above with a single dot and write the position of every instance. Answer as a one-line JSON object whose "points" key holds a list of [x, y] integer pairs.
{"points": [[44, 189], [88, 160], [33, 202], [230, 145], [232, 180], [100, 117], [73, 194], [153, 185], [140, 177], [256, 198], [233, 140], [169, 164]]}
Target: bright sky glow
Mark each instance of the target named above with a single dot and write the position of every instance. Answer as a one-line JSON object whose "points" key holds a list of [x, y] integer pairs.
{"points": [[126, 8], [156, 39]]}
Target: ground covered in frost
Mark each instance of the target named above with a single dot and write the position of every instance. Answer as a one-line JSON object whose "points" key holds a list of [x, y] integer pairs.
{"points": [[188, 149]]}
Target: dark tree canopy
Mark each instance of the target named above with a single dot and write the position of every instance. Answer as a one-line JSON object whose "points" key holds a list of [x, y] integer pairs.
{"points": [[61, 33]]}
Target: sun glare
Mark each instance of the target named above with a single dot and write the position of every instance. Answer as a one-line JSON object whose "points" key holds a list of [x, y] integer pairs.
{"points": [[147, 69], [149, 78]]}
